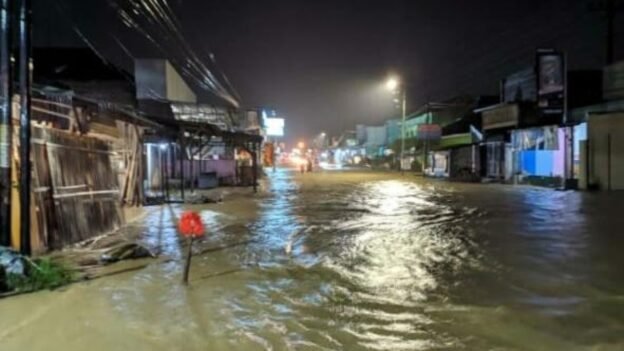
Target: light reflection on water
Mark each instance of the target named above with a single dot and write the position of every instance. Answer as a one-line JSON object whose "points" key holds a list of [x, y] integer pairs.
{"points": [[365, 257], [398, 244], [403, 265]]}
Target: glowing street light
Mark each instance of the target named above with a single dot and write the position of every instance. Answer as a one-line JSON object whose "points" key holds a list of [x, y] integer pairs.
{"points": [[394, 85]]}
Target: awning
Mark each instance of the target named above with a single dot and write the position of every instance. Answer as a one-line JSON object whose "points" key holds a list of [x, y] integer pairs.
{"points": [[175, 127], [455, 140]]}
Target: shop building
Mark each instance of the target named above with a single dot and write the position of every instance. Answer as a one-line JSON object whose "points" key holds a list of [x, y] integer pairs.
{"points": [[599, 135], [458, 154], [527, 137]]}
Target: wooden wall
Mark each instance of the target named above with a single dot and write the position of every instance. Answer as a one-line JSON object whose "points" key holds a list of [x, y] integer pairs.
{"points": [[77, 192], [128, 161], [86, 165]]}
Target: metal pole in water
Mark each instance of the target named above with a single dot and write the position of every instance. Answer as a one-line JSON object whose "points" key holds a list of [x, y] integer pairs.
{"points": [[182, 153], [191, 167], [169, 163], [162, 172], [255, 166], [187, 263]]}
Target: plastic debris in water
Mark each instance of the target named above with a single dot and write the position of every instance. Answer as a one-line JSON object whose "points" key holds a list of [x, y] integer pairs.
{"points": [[11, 261]]}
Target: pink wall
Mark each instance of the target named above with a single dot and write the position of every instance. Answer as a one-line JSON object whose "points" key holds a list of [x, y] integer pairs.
{"points": [[224, 168], [559, 155]]}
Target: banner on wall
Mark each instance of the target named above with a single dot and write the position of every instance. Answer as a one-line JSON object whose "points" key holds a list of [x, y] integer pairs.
{"points": [[431, 132], [542, 138]]}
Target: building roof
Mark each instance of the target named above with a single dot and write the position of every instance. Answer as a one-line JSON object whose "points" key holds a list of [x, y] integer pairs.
{"points": [[175, 127], [82, 72], [67, 67]]}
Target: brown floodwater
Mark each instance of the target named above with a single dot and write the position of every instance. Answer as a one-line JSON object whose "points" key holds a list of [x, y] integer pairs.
{"points": [[356, 261]]}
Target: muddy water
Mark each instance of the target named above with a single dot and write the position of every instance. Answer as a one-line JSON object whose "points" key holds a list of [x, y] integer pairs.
{"points": [[357, 261]]}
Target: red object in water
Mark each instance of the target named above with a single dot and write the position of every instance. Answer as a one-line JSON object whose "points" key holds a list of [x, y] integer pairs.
{"points": [[191, 225]]}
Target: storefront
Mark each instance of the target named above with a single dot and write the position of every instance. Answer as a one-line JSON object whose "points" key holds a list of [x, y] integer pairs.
{"points": [[465, 163], [604, 158], [457, 157], [497, 122], [438, 164], [539, 155]]}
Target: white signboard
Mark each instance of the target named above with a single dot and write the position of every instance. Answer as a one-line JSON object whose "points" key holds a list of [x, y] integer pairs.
{"points": [[406, 164], [274, 126]]}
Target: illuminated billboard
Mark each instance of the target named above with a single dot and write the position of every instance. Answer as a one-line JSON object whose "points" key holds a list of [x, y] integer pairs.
{"points": [[551, 75], [274, 126], [550, 72]]}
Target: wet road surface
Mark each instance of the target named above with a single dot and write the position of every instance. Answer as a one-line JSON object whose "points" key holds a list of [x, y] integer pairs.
{"points": [[357, 261]]}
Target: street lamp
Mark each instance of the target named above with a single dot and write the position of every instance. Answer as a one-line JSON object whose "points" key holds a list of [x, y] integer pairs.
{"points": [[394, 85]]}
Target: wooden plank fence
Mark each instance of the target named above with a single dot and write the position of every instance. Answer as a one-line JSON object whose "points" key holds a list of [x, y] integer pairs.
{"points": [[76, 190]]}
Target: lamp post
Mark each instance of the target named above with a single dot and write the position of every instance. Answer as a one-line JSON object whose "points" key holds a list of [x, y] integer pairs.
{"points": [[393, 84]]}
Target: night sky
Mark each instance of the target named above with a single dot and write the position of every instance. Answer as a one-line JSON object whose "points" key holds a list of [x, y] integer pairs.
{"points": [[321, 63]]}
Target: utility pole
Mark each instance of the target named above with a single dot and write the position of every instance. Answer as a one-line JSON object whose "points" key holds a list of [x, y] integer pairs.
{"points": [[403, 115], [6, 121], [398, 87], [25, 12]]}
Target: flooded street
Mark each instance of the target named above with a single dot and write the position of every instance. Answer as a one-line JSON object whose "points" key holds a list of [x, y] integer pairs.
{"points": [[357, 261]]}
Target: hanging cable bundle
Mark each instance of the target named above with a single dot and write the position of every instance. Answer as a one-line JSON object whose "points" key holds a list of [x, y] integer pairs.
{"points": [[156, 24]]}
